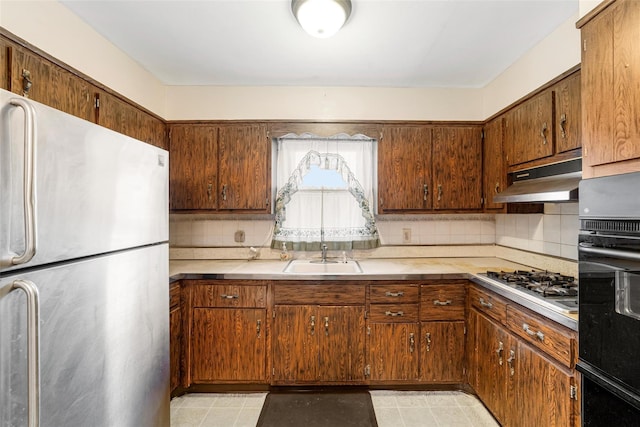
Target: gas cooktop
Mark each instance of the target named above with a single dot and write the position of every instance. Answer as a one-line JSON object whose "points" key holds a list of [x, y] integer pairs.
{"points": [[554, 289]]}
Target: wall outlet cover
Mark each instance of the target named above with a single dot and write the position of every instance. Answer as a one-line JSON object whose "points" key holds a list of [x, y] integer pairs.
{"points": [[406, 235]]}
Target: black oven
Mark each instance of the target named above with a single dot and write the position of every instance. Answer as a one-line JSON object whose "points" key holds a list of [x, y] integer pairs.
{"points": [[609, 300]]}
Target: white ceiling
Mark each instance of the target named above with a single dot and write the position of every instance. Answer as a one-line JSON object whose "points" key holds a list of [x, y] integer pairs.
{"points": [[385, 43]]}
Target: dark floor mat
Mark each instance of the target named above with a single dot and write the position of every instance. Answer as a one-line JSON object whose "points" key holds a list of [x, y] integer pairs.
{"points": [[318, 409]]}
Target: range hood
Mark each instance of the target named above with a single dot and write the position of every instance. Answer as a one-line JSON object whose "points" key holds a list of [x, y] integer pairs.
{"points": [[557, 182]]}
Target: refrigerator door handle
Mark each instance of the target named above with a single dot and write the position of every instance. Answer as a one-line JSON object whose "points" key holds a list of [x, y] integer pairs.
{"points": [[33, 345], [29, 182]]}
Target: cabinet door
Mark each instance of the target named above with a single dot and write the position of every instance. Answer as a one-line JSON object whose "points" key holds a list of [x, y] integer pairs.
{"points": [[175, 336], [404, 159], [493, 380], [597, 90], [544, 391], [244, 160], [495, 174], [228, 345], [5, 64], [457, 168], [529, 129], [295, 343], [393, 351], [341, 334], [442, 352], [193, 167], [45, 82], [567, 113], [120, 116]]}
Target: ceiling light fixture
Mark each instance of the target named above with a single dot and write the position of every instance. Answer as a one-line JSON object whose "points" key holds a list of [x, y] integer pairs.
{"points": [[321, 18]]}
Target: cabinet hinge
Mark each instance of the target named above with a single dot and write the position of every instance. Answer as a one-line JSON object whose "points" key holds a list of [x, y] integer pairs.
{"points": [[482, 134], [573, 392], [481, 201], [367, 371]]}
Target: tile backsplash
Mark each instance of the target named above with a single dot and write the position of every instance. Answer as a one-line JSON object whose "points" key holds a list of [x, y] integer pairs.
{"points": [[553, 233]]}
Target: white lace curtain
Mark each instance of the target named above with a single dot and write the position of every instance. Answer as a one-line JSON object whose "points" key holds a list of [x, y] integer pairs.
{"points": [[338, 215]]}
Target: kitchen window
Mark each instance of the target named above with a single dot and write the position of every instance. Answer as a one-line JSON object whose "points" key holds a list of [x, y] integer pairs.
{"points": [[325, 189]]}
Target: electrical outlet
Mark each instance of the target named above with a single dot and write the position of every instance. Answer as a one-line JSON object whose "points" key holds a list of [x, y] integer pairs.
{"points": [[406, 235], [239, 236]]}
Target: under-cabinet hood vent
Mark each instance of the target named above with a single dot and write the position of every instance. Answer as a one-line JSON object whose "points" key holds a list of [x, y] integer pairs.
{"points": [[551, 183]]}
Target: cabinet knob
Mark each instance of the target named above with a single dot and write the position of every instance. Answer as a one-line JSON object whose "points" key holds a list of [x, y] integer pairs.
{"points": [[563, 123], [313, 325], [425, 191], [499, 351], [439, 192], [428, 338], [412, 342], [510, 360], [209, 191], [258, 327], [224, 192], [326, 326], [543, 133], [26, 82]]}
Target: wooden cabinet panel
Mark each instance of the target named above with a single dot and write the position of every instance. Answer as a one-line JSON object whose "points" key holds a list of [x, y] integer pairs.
{"points": [[318, 344], [404, 169], [495, 173], [45, 82], [228, 345], [244, 158], [567, 114], [442, 352], [5, 64], [175, 337], [323, 293], [554, 340], [193, 170], [530, 129], [489, 304], [341, 336], [120, 116], [597, 90], [393, 351], [229, 295], [393, 294], [457, 168], [394, 312], [443, 302]]}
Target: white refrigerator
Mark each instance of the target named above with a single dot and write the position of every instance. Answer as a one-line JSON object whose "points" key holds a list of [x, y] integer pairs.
{"points": [[84, 301]]}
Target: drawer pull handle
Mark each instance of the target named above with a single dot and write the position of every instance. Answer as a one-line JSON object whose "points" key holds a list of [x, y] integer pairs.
{"points": [[428, 337], [532, 333], [512, 357], [499, 351], [563, 126], [394, 294], [394, 314], [438, 302], [224, 296], [412, 342], [485, 303]]}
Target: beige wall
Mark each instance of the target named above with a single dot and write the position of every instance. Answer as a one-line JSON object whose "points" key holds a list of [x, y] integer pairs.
{"points": [[50, 26]]}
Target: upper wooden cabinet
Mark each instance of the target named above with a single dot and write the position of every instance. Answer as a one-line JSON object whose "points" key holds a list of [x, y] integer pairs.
{"points": [[425, 167], [404, 169], [222, 167], [43, 81], [495, 173], [5, 54], [610, 79], [122, 117], [568, 114], [545, 125], [243, 159], [457, 167], [193, 167]]}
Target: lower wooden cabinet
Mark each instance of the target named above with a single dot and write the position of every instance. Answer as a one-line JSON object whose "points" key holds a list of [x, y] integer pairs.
{"points": [[442, 352], [393, 351], [228, 345], [175, 336], [313, 343]]}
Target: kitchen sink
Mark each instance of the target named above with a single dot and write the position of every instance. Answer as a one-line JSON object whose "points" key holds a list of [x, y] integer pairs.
{"points": [[303, 266]]}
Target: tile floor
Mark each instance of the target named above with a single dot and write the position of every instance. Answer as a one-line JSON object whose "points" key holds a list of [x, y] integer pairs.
{"points": [[392, 408]]}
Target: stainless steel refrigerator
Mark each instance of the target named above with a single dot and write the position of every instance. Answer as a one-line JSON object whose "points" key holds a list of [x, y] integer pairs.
{"points": [[84, 301]]}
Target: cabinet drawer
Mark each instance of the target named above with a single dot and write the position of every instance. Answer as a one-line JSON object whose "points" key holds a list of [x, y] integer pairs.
{"points": [[174, 295], [489, 304], [390, 313], [551, 338], [442, 302], [392, 294], [229, 296], [325, 293]]}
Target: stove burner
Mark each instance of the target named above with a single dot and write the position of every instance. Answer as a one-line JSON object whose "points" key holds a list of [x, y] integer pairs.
{"points": [[544, 283]]}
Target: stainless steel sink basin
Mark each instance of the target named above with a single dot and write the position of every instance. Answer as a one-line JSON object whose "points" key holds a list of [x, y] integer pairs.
{"points": [[303, 266]]}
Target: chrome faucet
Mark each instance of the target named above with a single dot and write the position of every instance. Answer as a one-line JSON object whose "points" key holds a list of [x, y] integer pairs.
{"points": [[324, 253]]}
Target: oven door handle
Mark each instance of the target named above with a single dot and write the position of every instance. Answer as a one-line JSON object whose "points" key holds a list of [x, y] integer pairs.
{"points": [[612, 253]]}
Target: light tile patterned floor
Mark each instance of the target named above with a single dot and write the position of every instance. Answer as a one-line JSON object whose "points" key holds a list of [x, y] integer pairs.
{"points": [[392, 408]]}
